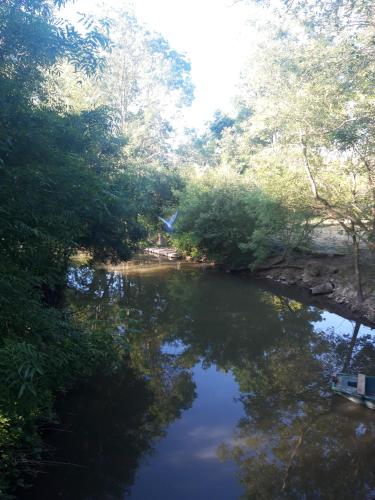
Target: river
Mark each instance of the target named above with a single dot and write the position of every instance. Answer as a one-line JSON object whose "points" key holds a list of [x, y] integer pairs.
{"points": [[225, 394]]}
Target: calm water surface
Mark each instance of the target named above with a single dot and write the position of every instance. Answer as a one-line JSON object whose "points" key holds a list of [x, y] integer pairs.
{"points": [[224, 394]]}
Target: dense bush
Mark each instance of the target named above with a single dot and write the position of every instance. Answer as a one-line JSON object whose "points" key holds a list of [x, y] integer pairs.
{"points": [[32, 373], [60, 190], [225, 218]]}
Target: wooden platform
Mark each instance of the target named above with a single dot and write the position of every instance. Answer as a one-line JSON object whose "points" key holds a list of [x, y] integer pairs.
{"points": [[170, 253]]}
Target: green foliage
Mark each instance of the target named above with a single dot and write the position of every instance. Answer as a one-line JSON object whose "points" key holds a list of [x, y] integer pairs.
{"points": [[29, 364], [304, 131], [223, 217], [32, 374], [87, 163], [71, 178], [219, 123]]}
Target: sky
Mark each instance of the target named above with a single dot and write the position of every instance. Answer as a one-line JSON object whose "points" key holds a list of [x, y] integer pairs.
{"points": [[215, 35]]}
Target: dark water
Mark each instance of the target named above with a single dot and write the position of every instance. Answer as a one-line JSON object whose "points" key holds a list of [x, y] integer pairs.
{"points": [[226, 394]]}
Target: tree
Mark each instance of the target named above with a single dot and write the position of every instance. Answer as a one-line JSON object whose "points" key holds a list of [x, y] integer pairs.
{"points": [[67, 184], [144, 85], [308, 137]]}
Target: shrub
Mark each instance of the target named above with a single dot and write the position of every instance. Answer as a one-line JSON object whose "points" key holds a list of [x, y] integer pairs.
{"points": [[225, 218]]}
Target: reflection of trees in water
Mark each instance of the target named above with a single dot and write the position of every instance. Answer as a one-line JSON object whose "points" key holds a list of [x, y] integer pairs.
{"points": [[294, 440], [231, 320], [353, 341], [327, 455], [360, 353], [109, 425]]}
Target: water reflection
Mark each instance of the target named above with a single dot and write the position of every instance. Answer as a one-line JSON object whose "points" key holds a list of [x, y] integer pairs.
{"points": [[237, 377], [106, 428], [295, 440]]}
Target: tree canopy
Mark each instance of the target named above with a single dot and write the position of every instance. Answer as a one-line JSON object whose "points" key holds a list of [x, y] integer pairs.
{"points": [[89, 157]]}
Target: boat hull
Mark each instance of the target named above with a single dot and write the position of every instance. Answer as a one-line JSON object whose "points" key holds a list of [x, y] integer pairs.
{"points": [[357, 398]]}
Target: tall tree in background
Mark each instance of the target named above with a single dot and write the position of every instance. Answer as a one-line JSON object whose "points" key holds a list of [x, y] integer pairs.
{"points": [[145, 85], [308, 136]]}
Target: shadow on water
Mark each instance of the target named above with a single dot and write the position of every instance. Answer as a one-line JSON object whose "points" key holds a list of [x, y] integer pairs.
{"points": [[98, 422], [233, 379]]}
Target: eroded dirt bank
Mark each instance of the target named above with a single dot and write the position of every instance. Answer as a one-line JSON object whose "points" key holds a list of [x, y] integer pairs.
{"points": [[327, 281]]}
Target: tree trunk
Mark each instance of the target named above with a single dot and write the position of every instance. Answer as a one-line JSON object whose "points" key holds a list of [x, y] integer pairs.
{"points": [[370, 169], [161, 240], [339, 216], [357, 271]]}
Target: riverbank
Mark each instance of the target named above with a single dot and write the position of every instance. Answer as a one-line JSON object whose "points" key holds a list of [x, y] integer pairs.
{"points": [[327, 281]]}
